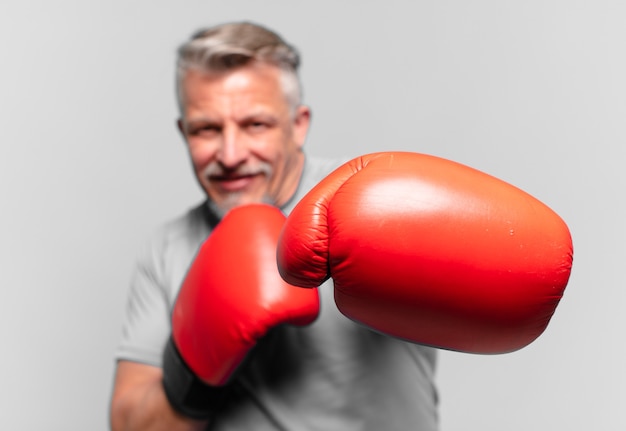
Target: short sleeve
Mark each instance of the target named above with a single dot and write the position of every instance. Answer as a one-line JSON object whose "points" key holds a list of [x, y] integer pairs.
{"points": [[146, 326], [161, 267]]}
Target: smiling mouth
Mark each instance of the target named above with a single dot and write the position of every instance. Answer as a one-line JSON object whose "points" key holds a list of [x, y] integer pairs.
{"points": [[236, 180], [233, 183]]}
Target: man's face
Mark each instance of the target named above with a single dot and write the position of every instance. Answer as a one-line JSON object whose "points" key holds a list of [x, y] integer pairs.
{"points": [[244, 140]]}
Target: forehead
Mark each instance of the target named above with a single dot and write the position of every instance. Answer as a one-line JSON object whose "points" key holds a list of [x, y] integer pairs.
{"points": [[251, 86]]}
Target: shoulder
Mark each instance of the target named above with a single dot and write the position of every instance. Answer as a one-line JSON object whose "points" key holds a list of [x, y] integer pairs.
{"points": [[187, 228], [172, 245], [316, 168]]}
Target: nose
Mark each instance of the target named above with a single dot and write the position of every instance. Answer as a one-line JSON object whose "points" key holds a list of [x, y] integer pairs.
{"points": [[233, 151]]}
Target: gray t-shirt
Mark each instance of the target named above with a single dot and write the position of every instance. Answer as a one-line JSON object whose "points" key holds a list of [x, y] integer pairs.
{"points": [[331, 375]]}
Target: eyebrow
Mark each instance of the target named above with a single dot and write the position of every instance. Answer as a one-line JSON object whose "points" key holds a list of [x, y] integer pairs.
{"points": [[201, 120], [267, 117], [255, 115]]}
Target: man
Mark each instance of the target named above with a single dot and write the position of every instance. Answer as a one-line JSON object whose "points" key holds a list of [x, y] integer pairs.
{"points": [[245, 126]]}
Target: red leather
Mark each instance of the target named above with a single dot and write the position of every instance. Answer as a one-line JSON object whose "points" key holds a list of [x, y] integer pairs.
{"points": [[233, 294], [431, 251]]}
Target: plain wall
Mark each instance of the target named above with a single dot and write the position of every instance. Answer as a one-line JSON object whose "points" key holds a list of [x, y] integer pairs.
{"points": [[91, 163]]}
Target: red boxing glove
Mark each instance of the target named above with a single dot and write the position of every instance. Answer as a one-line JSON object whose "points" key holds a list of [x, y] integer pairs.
{"points": [[231, 296], [430, 251]]}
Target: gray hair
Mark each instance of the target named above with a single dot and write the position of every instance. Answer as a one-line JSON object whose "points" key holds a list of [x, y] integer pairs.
{"points": [[230, 46]]}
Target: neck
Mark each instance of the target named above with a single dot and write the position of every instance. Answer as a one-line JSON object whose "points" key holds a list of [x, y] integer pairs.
{"points": [[292, 177]]}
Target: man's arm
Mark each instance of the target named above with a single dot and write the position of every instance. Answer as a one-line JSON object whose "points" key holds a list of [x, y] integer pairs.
{"points": [[139, 402]]}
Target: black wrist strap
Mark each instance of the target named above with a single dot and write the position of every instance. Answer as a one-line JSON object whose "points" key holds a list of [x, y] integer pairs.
{"points": [[185, 391]]}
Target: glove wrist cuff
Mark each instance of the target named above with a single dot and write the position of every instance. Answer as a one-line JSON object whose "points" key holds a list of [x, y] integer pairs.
{"points": [[186, 393]]}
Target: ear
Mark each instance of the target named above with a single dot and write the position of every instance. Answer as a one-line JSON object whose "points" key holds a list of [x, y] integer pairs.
{"points": [[301, 122], [180, 125]]}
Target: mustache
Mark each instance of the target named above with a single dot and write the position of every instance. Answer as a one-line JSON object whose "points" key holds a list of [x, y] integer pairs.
{"points": [[215, 169]]}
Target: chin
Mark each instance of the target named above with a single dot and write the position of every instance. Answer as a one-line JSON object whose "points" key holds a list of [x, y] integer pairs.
{"points": [[236, 200]]}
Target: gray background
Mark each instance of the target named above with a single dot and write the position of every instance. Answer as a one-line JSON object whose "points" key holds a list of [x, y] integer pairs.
{"points": [[90, 163]]}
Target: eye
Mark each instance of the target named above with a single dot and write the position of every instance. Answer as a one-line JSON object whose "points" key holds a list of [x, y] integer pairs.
{"points": [[257, 126], [205, 130]]}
